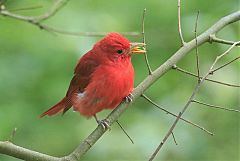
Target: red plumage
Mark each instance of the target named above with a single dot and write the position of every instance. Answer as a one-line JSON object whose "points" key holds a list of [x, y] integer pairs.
{"points": [[102, 78]]}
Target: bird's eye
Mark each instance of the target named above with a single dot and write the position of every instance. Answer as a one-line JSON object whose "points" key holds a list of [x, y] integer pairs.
{"points": [[119, 51]]}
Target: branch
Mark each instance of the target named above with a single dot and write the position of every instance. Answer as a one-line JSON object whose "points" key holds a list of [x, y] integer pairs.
{"points": [[78, 153], [210, 80], [25, 154], [196, 89], [150, 79], [26, 8], [37, 21], [213, 38], [168, 112], [54, 9], [214, 70]]}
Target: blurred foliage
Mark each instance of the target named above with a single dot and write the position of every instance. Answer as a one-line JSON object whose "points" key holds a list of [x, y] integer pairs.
{"points": [[36, 67]]}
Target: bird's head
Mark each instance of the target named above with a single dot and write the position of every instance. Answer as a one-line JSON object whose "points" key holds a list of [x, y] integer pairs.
{"points": [[115, 46]]}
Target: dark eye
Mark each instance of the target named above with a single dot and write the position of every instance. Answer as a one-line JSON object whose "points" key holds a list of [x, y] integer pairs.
{"points": [[119, 51]]}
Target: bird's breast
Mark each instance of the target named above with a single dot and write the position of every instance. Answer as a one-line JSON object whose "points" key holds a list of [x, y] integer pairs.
{"points": [[119, 76], [111, 83]]}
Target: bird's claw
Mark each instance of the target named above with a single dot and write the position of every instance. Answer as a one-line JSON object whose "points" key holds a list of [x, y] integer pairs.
{"points": [[104, 123], [129, 98]]}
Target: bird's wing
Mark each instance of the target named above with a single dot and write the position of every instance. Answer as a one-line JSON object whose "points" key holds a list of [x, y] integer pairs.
{"points": [[82, 73]]}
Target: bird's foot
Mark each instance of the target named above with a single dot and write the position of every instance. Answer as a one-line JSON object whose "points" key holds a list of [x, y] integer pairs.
{"points": [[129, 98], [104, 123]]}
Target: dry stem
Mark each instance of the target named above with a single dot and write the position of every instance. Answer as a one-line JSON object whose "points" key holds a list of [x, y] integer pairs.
{"points": [[196, 89]]}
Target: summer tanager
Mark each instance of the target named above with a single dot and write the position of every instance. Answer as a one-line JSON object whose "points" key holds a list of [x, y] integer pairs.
{"points": [[103, 77]]}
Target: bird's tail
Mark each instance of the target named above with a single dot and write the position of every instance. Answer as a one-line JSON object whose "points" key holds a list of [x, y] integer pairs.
{"points": [[61, 106]]}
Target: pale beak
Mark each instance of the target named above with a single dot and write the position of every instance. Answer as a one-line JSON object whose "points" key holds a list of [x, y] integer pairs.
{"points": [[137, 48]]}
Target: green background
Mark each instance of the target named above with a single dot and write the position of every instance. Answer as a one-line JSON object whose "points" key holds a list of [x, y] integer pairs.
{"points": [[36, 67]]}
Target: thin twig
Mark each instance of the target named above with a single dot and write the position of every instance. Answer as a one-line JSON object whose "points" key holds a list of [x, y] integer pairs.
{"points": [[214, 106], [210, 80], [213, 38], [196, 89], [143, 35], [197, 57], [12, 135], [183, 119], [214, 70], [125, 132], [179, 23], [26, 8], [174, 139]]}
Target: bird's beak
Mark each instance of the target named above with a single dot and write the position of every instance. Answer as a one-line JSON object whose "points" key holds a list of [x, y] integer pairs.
{"points": [[137, 48]]}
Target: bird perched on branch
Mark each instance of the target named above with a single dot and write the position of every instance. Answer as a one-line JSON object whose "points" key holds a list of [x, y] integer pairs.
{"points": [[103, 77]]}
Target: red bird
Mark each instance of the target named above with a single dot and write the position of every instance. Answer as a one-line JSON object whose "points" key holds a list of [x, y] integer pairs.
{"points": [[103, 77]]}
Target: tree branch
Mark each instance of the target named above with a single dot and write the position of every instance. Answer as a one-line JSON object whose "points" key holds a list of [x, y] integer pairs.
{"points": [[214, 70], [22, 153], [37, 21], [213, 38], [207, 79], [150, 79], [26, 8], [181, 118], [196, 89], [54, 9]]}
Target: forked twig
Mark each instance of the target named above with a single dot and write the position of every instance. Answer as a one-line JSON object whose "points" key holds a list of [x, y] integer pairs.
{"points": [[53, 10], [10, 149], [168, 112], [210, 80], [196, 89], [37, 21], [224, 65]]}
